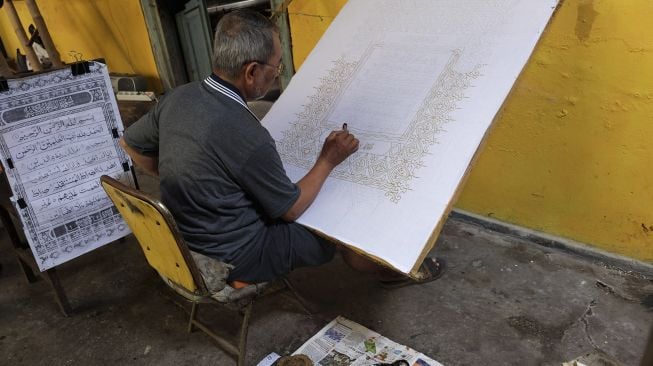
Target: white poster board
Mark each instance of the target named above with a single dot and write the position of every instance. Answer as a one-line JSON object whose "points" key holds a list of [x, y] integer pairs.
{"points": [[58, 134], [419, 83]]}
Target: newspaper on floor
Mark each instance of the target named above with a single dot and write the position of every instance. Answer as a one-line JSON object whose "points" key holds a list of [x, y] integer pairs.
{"points": [[343, 342], [269, 360]]}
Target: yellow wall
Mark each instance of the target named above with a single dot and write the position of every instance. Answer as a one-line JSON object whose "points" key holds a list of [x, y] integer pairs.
{"points": [[571, 153], [110, 29], [308, 20]]}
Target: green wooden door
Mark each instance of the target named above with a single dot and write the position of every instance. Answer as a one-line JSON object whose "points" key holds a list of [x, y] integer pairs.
{"points": [[195, 37]]}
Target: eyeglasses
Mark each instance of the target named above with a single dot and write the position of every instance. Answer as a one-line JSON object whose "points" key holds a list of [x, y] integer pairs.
{"points": [[279, 67]]}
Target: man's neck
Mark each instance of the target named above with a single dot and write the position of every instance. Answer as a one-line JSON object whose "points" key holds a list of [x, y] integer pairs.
{"points": [[238, 83]]}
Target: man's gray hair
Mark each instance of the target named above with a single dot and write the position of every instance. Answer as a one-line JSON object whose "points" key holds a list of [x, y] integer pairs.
{"points": [[240, 37]]}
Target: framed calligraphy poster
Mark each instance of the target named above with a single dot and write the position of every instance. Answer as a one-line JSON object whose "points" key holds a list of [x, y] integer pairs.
{"points": [[59, 133]]}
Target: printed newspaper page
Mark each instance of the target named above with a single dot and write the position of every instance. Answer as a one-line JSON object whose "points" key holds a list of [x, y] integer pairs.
{"points": [[343, 342], [58, 134]]}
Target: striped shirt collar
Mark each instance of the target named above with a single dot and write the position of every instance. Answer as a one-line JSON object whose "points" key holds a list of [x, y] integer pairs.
{"points": [[227, 89]]}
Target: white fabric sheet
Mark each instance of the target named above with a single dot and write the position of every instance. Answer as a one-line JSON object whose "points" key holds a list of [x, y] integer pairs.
{"points": [[419, 83]]}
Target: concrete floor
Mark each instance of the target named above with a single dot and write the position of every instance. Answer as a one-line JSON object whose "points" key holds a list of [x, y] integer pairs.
{"points": [[503, 301]]}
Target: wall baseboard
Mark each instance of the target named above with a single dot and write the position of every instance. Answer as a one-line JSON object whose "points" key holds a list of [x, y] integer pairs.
{"points": [[551, 241]]}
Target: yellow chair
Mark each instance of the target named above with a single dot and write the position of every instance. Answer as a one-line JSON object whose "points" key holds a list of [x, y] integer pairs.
{"points": [[165, 250]]}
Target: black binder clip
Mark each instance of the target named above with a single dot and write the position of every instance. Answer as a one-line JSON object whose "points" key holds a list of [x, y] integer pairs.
{"points": [[80, 68], [10, 164], [21, 203], [4, 85]]}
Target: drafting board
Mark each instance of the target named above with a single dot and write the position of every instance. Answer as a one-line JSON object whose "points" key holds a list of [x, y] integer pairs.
{"points": [[58, 134], [419, 83]]}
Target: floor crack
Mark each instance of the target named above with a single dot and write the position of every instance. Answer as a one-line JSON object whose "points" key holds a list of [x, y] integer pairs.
{"points": [[588, 312]]}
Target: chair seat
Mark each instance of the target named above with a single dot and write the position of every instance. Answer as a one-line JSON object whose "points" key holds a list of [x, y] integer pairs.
{"points": [[226, 295]]}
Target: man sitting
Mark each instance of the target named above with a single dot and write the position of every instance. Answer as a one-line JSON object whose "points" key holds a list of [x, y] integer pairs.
{"points": [[220, 173]]}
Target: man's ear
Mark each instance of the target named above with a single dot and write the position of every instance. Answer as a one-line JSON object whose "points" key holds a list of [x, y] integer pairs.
{"points": [[250, 70]]}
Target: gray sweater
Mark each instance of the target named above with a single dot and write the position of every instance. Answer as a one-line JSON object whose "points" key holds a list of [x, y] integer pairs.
{"points": [[221, 175]]}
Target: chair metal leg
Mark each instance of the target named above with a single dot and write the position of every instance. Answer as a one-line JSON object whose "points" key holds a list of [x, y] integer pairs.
{"points": [[193, 315], [300, 299], [222, 342], [242, 341], [237, 349]]}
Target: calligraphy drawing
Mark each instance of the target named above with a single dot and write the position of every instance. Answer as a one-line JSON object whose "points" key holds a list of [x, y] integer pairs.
{"points": [[59, 134], [391, 169], [419, 83]]}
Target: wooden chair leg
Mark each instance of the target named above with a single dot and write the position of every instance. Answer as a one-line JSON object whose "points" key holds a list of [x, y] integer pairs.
{"points": [[242, 341], [30, 276], [28, 265], [18, 245], [51, 276], [60, 295]]}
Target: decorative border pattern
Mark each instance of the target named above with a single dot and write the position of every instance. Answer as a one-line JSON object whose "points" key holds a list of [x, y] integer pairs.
{"points": [[392, 171]]}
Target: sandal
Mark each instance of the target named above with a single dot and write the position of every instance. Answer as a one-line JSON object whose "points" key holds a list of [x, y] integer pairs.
{"points": [[430, 270]]}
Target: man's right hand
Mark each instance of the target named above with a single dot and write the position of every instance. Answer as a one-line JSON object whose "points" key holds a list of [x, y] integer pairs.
{"points": [[337, 147]]}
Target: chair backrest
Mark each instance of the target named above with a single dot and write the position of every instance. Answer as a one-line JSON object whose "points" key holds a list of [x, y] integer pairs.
{"points": [[157, 233]]}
